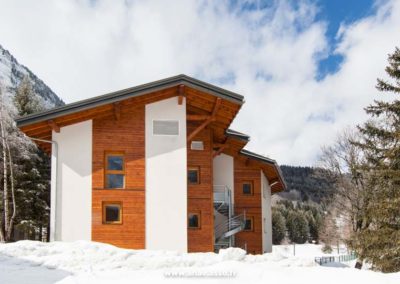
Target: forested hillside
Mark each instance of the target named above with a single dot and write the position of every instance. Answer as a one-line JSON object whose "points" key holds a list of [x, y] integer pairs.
{"points": [[12, 74], [25, 169], [307, 183]]}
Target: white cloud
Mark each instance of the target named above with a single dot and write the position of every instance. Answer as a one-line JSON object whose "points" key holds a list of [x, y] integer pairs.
{"points": [[86, 48]]}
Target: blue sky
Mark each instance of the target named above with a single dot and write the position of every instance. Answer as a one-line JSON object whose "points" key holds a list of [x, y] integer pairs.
{"points": [[334, 13], [302, 82]]}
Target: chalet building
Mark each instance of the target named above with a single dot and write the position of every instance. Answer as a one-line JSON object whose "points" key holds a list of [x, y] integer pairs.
{"points": [[156, 167]]}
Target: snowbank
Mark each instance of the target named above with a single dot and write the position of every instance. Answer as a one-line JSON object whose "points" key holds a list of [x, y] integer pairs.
{"points": [[90, 262], [83, 256]]}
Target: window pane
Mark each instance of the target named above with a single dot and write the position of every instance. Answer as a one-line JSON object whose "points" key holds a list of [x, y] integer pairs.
{"points": [[115, 181], [246, 188], [247, 225], [193, 221], [115, 163], [113, 213], [193, 176]]}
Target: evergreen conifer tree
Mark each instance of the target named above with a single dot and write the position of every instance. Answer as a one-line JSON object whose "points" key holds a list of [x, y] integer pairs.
{"points": [[380, 243], [278, 227]]}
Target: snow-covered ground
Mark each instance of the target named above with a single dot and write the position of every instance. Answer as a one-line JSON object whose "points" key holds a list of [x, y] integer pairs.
{"points": [[89, 262]]}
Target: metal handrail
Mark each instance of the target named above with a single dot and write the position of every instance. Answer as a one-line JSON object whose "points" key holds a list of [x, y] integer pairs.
{"points": [[230, 227]]}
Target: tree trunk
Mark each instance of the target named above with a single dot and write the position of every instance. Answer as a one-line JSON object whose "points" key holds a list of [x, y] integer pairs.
{"points": [[359, 264], [5, 189], [48, 231], [14, 206]]}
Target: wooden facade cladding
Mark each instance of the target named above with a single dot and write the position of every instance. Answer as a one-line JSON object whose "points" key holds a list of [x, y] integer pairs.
{"points": [[200, 196], [246, 172], [125, 135]]}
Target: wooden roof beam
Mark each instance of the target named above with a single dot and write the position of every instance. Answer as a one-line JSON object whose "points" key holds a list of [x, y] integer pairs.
{"points": [[196, 117], [219, 151], [53, 125], [181, 94], [117, 110], [207, 121]]}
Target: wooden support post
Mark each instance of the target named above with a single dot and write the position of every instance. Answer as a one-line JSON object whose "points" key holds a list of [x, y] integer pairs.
{"points": [[117, 110], [219, 151], [181, 94], [53, 126], [207, 121], [216, 107]]}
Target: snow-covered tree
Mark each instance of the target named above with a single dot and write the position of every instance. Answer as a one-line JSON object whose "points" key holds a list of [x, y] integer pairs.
{"points": [[26, 100], [8, 202], [25, 170]]}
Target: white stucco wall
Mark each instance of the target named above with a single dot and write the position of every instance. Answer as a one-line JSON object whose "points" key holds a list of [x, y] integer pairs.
{"points": [[266, 214], [71, 207], [223, 172], [166, 179]]}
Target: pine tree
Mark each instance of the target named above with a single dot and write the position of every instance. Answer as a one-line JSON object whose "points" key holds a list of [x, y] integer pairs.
{"points": [[278, 227], [297, 226], [33, 180], [26, 100], [380, 243]]}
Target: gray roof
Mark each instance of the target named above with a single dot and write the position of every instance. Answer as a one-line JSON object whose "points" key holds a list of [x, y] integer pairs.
{"points": [[129, 93], [237, 134], [264, 159]]}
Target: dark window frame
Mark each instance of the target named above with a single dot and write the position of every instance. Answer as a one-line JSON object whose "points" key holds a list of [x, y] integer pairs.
{"points": [[198, 214], [197, 169], [251, 183], [251, 218], [104, 208], [114, 172]]}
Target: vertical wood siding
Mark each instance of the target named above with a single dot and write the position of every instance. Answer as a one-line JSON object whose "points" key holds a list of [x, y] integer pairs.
{"points": [[200, 196], [123, 135], [252, 204]]}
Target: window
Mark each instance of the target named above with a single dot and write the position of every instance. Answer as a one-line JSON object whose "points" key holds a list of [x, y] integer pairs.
{"points": [[194, 220], [165, 127], [247, 188], [114, 170], [193, 175], [112, 213], [248, 225], [197, 145]]}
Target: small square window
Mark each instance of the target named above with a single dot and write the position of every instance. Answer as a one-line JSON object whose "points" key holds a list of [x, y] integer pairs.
{"points": [[248, 225], [247, 188], [194, 220], [112, 213], [194, 175]]}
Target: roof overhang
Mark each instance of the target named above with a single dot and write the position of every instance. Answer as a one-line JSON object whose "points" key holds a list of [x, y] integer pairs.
{"points": [[131, 93], [237, 135], [277, 185]]}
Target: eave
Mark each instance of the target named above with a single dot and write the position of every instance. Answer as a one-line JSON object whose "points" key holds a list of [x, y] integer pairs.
{"points": [[130, 93]]}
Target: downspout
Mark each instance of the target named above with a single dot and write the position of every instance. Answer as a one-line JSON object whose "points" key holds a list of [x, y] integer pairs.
{"points": [[53, 195]]}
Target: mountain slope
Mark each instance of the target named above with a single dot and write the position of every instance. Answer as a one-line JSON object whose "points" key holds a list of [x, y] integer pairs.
{"points": [[12, 73], [306, 183]]}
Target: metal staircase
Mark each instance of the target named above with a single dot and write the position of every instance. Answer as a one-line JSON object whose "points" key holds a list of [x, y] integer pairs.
{"points": [[226, 224], [230, 227]]}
